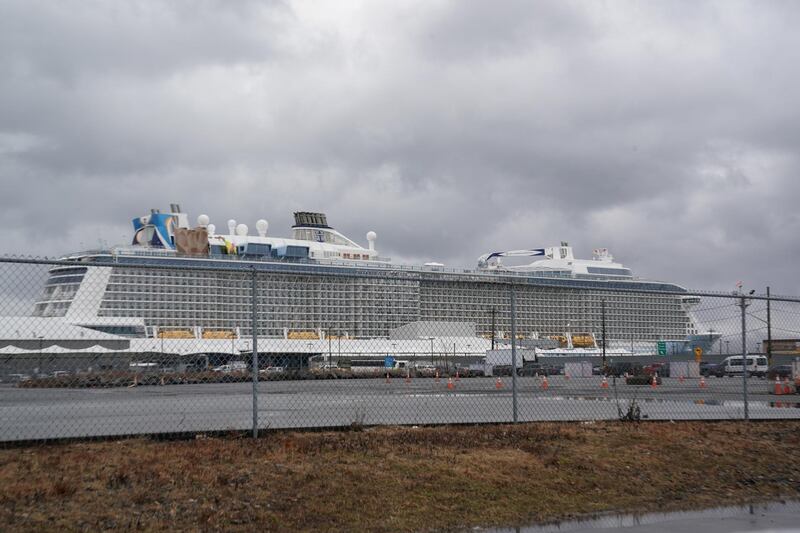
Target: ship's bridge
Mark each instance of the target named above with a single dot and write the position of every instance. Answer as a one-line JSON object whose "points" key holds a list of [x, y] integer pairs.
{"points": [[562, 259]]}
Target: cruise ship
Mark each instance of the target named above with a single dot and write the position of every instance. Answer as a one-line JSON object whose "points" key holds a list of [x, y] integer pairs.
{"points": [[195, 282]]}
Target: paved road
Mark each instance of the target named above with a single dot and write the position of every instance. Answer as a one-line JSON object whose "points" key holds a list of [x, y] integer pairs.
{"points": [[55, 413]]}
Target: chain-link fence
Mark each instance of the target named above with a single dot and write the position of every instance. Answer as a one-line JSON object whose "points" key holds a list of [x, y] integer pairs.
{"points": [[117, 346]]}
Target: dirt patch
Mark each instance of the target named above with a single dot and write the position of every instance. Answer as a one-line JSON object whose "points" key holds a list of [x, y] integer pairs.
{"points": [[397, 479]]}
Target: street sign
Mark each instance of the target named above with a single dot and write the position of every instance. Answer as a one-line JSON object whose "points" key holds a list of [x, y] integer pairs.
{"points": [[662, 347], [698, 353]]}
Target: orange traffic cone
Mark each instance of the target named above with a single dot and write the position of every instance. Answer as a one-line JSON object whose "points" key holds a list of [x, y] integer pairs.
{"points": [[498, 384], [778, 387], [545, 384], [450, 384], [654, 382], [787, 389], [437, 375], [604, 383], [702, 382], [458, 378]]}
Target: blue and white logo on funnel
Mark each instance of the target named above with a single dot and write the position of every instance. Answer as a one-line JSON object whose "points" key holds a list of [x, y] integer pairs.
{"points": [[156, 230]]}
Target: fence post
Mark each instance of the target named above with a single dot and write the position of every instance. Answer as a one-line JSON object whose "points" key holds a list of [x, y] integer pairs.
{"points": [[513, 353], [255, 354], [743, 304], [769, 331]]}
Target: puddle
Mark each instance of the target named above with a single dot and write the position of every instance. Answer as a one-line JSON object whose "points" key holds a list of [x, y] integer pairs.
{"points": [[771, 517], [702, 401]]}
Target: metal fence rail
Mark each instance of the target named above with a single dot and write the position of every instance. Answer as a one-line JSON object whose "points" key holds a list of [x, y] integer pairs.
{"points": [[96, 349]]}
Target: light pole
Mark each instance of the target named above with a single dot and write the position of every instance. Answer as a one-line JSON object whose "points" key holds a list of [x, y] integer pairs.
{"points": [[727, 347]]}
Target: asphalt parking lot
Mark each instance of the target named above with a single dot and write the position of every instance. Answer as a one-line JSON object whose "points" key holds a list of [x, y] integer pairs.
{"points": [[31, 413]]}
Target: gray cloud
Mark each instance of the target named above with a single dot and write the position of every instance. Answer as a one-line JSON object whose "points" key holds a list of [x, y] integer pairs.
{"points": [[667, 132]]}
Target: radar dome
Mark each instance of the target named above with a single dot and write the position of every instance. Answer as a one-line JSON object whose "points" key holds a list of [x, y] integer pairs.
{"points": [[231, 226], [371, 235], [211, 228], [241, 230], [203, 220], [262, 226]]}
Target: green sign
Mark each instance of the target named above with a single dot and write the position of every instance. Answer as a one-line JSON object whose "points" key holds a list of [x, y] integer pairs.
{"points": [[662, 348]]}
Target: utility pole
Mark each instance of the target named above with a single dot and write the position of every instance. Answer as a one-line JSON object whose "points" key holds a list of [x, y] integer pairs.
{"points": [[769, 331]]}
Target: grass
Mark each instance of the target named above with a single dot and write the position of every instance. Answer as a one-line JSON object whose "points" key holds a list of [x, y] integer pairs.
{"points": [[397, 479]]}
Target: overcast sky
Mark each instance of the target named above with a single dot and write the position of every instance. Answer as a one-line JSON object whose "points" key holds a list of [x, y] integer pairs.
{"points": [[667, 132]]}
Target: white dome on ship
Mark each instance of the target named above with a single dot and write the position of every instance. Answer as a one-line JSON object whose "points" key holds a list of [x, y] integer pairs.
{"points": [[262, 226], [203, 220], [371, 235], [241, 230], [211, 228]]}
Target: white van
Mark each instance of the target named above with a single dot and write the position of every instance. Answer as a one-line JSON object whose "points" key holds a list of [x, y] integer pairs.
{"points": [[756, 365]]}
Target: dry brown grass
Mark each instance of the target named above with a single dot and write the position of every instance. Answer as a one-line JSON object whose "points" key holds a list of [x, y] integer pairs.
{"points": [[396, 479]]}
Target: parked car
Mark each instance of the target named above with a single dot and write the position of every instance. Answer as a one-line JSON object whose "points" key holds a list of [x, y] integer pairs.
{"points": [[620, 368], [542, 369], [662, 369], [424, 369], [712, 369], [501, 370], [756, 365], [780, 372], [235, 366], [279, 369]]}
